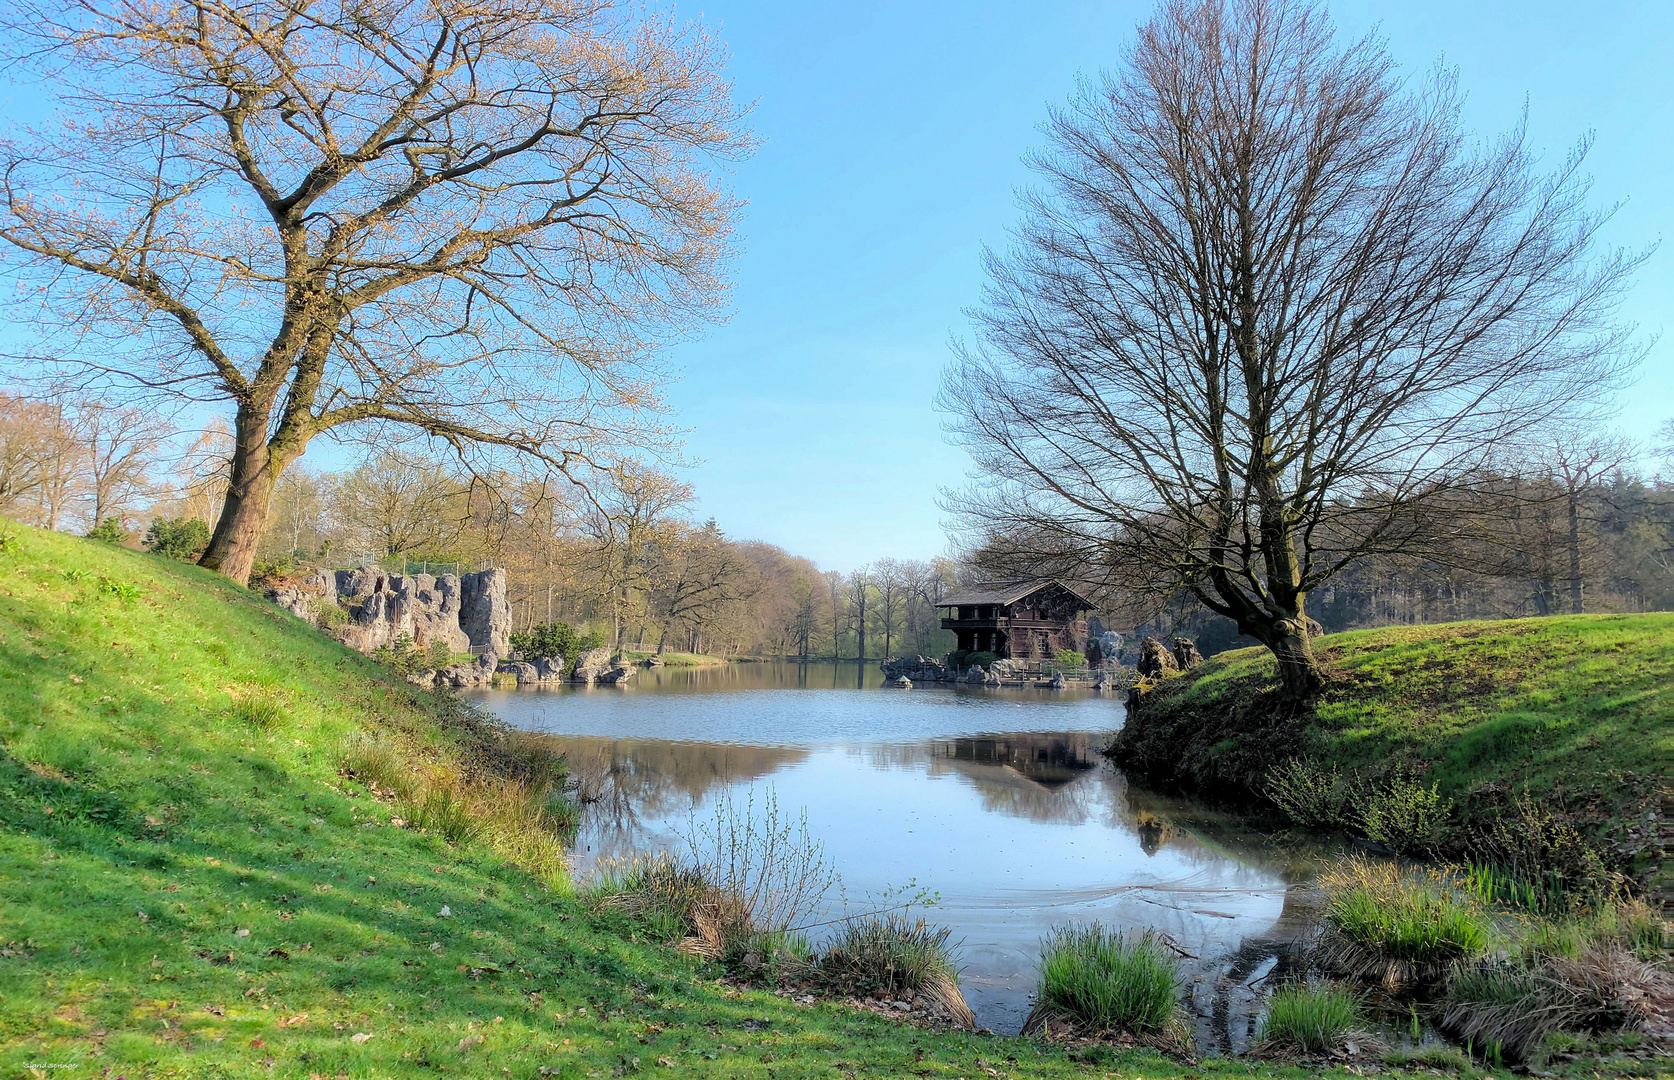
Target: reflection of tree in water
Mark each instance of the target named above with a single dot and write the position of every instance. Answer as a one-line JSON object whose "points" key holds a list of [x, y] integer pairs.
{"points": [[619, 781]]}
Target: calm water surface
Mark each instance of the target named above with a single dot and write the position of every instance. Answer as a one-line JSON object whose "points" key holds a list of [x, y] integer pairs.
{"points": [[997, 801]]}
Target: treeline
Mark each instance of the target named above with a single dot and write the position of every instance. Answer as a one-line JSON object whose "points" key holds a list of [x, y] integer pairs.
{"points": [[623, 560], [1576, 531]]}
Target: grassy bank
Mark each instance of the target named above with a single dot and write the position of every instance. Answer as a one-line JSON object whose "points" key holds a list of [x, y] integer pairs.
{"points": [[192, 883], [1573, 714]]}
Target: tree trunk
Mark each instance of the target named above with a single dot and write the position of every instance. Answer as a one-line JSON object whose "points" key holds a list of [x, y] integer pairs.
{"points": [[255, 473], [1577, 605], [1299, 676]]}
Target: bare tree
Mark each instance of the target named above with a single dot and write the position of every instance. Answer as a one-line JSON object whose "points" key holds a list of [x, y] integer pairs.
{"points": [[122, 445], [476, 218], [33, 440], [1267, 302], [892, 578], [860, 590]]}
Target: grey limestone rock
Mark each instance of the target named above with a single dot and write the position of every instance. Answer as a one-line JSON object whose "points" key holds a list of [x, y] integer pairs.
{"points": [[591, 665], [484, 614], [915, 668]]}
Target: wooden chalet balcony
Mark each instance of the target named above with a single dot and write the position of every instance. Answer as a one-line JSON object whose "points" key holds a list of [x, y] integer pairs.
{"points": [[1001, 624]]}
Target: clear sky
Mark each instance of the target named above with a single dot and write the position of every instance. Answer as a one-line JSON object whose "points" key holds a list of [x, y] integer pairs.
{"points": [[892, 138]]}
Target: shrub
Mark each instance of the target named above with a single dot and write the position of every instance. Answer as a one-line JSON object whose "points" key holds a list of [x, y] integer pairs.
{"points": [[1403, 814], [1099, 981], [401, 656], [554, 639], [178, 538], [1311, 796], [1395, 927], [328, 614], [540, 760], [896, 957], [1306, 1019], [1069, 658], [109, 530]]}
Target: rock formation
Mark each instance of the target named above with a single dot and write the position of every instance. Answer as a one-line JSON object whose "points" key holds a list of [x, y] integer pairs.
{"points": [[1186, 654], [915, 668], [369, 608], [1155, 659]]}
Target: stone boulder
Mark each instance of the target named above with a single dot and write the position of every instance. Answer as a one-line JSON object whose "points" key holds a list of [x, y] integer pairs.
{"points": [[1058, 681], [1186, 654], [1006, 668], [591, 665], [523, 671], [1113, 679], [549, 668], [915, 668], [468, 676], [1155, 659], [618, 674]]}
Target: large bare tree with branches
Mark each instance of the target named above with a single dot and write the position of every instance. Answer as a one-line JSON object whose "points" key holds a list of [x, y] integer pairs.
{"points": [[471, 219], [1268, 300]]}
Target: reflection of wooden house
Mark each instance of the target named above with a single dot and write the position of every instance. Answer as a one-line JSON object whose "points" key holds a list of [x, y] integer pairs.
{"points": [[1022, 620]]}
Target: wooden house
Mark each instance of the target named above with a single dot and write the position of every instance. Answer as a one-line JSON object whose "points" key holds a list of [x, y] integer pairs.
{"points": [[1018, 620]]}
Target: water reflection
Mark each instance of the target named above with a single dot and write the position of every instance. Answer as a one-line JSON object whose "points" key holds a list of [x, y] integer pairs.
{"points": [[996, 801]]}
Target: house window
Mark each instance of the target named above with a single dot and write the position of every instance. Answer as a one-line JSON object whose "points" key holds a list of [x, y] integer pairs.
{"points": [[1043, 643]]}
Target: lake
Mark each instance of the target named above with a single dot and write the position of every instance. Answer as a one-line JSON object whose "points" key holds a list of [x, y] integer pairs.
{"points": [[995, 802]]}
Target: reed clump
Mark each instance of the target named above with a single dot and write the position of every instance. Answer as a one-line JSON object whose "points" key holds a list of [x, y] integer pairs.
{"points": [[1398, 927], [1095, 981], [891, 955], [1308, 1019]]}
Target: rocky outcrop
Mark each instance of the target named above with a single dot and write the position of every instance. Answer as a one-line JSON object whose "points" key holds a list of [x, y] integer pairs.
{"points": [[368, 608], [915, 668], [1186, 655], [1155, 659], [484, 614]]}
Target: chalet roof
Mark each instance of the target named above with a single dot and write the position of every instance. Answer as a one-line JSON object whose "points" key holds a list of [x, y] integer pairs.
{"points": [[1006, 592]]}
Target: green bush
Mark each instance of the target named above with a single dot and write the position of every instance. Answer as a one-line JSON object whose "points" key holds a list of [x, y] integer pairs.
{"points": [[554, 639], [1311, 796], [1069, 658], [1307, 1019], [178, 538], [109, 530], [1403, 814], [1100, 982]]}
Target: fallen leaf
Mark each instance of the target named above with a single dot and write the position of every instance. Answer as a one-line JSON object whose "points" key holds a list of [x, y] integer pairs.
{"points": [[468, 1041], [359, 1037], [293, 1021]]}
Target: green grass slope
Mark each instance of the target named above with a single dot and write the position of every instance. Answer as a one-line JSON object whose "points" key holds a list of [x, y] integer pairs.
{"points": [[1576, 711], [192, 888]]}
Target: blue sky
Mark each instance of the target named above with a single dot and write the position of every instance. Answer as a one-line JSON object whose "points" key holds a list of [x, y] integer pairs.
{"points": [[892, 138]]}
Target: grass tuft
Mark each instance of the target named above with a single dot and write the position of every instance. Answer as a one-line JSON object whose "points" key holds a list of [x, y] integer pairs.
{"points": [[1310, 1020], [259, 708], [1397, 927], [898, 957], [1100, 982]]}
